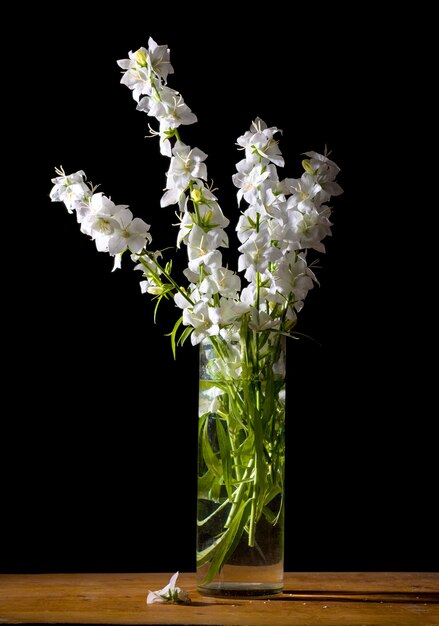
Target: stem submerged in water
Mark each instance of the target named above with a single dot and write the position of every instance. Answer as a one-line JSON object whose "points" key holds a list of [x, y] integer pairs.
{"points": [[241, 461]]}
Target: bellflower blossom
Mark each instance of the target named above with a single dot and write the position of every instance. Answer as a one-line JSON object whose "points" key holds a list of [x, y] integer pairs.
{"points": [[283, 220], [169, 594]]}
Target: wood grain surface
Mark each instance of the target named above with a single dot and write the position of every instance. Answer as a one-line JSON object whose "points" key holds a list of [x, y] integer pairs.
{"points": [[326, 599]]}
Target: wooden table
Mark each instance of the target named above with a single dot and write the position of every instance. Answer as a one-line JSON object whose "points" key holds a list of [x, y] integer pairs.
{"points": [[336, 599]]}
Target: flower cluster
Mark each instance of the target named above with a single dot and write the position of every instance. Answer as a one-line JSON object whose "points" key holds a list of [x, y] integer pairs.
{"points": [[146, 74], [110, 225], [284, 218]]}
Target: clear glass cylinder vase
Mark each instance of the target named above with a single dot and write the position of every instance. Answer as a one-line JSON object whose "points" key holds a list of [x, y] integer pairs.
{"points": [[241, 458]]}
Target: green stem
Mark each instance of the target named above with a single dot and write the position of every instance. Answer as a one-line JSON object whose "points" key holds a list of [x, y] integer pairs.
{"points": [[251, 409], [165, 274], [258, 459], [239, 494], [232, 410]]}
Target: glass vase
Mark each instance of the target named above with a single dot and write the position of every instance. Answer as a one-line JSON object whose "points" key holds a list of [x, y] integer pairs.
{"points": [[241, 456]]}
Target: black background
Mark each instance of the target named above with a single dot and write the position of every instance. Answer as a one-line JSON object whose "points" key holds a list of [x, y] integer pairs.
{"points": [[99, 421]]}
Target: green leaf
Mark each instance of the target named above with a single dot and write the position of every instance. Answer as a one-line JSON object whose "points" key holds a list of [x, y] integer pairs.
{"points": [[184, 335], [209, 488], [220, 550], [272, 493], [226, 456], [204, 556], [201, 421], [209, 456], [159, 299], [173, 334], [270, 515], [215, 512], [205, 384], [246, 448], [268, 406]]}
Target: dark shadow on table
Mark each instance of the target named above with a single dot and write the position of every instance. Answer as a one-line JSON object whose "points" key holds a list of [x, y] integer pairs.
{"points": [[410, 597]]}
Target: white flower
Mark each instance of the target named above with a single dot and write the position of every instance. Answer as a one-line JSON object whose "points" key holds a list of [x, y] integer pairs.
{"points": [[310, 228], [137, 76], [174, 196], [271, 203], [250, 293], [171, 110], [97, 215], [71, 189], [202, 247], [283, 236], [143, 66], [304, 190], [257, 252], [204, 319], [211, 216], [260, 320], [324, 170], [259, 142], [191, 276], [137, 79], [170, 593], [158, 59], [293, 277], [248, 180], [320, 166], [98, 205], [186, 165], [129, 233], [246, 225], [222, 281], [231, 310]]}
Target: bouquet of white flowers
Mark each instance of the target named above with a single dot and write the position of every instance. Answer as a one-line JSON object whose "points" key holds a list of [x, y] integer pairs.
{"points": [[241, 457]]}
